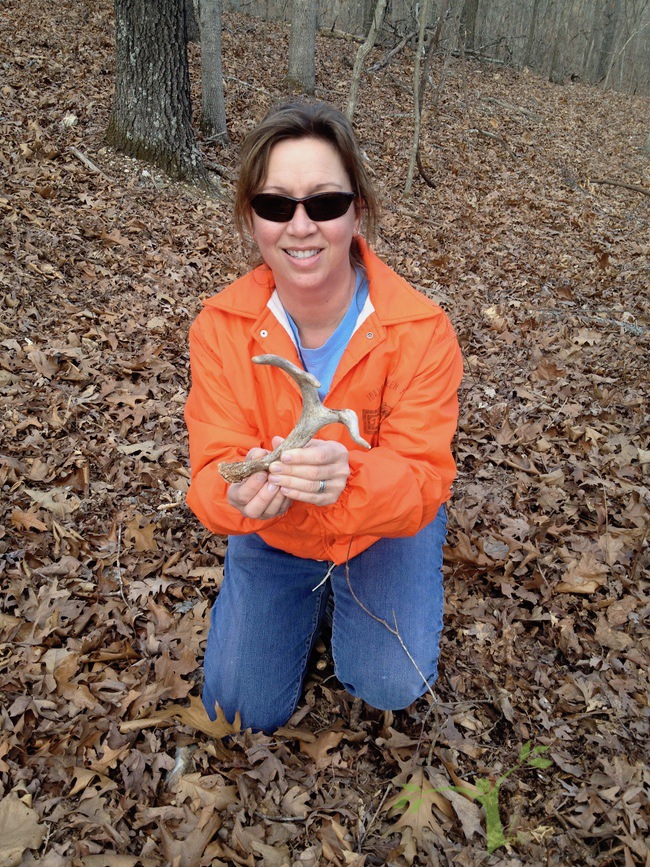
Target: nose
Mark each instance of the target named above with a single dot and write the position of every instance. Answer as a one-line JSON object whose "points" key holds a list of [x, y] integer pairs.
{"points": [[301, 223]]}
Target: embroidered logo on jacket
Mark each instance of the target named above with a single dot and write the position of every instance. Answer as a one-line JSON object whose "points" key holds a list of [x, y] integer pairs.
{"points": [[372, 418]]}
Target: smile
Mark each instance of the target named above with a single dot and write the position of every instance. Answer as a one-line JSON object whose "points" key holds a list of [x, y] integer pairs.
{"points": [[302, 254]]}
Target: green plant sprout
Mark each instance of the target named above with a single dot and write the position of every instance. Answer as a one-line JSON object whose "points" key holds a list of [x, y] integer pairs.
{"points": [[486, 793]]}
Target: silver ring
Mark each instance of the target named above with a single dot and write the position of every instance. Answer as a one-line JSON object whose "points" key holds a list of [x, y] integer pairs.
{"points": [[321, 486]]}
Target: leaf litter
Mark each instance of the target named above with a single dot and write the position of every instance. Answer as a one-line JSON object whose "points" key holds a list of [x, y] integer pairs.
{"points": [[106, 756]]}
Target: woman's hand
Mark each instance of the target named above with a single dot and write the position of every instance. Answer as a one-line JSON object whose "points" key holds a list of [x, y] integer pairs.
{"points": [[258, 497], [300, 472]]}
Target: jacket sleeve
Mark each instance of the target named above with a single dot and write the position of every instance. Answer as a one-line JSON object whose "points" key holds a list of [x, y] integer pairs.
{"points": [[397, 487], [218, 431]]}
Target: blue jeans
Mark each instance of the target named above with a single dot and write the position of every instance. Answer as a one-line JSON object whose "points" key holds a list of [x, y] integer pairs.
{"points": [[266, 619]]}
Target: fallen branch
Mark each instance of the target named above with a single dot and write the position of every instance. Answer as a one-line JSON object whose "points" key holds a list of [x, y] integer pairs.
{"points": [[496, 137], [224, 171], [636, 187], [313, 417], [341, 34], [87, 162], [393, 51], [512, 107]]}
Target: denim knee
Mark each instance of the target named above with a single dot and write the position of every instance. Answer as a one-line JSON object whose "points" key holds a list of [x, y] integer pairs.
{"points": [[387, 692], [260, 717]]}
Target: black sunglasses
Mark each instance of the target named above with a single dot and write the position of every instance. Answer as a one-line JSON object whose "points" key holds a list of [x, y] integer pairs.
{"points": [[320, 208]]}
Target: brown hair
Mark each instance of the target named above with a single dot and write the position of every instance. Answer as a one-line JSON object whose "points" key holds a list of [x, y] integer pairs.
{"points": [[296, 120]]}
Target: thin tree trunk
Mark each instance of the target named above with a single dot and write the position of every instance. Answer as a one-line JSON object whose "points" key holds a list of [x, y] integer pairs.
{"points": [[470, 12], [362, 53], [301, 72], [532, 34], [213, 103], [556, 73], [606, 57], [424, 15], [152, 114]]}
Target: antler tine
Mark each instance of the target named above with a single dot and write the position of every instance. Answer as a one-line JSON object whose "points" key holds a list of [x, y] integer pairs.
{"points": [[313, 417], [307, 382]]}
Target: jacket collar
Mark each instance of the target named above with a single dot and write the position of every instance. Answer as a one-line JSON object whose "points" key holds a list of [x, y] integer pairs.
{"points": [[252, 292]]}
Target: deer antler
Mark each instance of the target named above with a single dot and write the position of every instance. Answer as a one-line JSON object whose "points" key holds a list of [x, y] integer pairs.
{"points": [[313, 417]]}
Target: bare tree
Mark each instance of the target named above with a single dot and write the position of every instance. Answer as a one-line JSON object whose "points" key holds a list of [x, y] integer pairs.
{"points": [[362, 53], [417, 102], [611, 9], [468, 21], [213, 103], [301, 73], [152, 114]]}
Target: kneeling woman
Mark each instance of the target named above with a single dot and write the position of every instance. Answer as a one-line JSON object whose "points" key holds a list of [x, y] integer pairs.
{"points": [[330, 519]]}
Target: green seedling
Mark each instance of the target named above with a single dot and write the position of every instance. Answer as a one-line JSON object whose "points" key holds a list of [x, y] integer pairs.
{"points": [[487, 793], [484, 791]]}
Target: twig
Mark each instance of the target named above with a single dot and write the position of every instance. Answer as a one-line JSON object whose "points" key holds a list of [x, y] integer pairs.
{"points": [[366, 831], [87, 162], [247, 84], [512, 107], [636, 187], [393, 631], [269, 818], [496, 137], [638, 330], [118, 566]]}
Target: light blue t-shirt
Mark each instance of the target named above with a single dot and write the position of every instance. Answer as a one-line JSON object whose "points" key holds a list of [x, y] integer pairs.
{"points": [[322, 362]]}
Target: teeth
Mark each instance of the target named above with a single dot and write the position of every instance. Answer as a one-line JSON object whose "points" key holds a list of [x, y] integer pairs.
{"points": [[302, 254]]}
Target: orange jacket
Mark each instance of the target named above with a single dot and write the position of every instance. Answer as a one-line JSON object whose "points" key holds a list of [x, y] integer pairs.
{"points": [[400, 373]]}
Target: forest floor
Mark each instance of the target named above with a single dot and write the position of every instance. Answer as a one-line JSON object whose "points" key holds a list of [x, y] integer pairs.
{"points": [[107, 579]]}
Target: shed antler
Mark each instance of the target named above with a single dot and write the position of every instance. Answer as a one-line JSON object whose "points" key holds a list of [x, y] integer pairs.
{"points": [[313, 417]]}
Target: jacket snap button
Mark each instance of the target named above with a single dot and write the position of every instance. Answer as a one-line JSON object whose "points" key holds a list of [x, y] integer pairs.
{"points": [[264, 333], [369, 335]]}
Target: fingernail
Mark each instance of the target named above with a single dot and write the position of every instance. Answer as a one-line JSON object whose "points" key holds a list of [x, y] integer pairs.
{"points": [[271, 488], [275, 467], [286, 458], [274, 480]]}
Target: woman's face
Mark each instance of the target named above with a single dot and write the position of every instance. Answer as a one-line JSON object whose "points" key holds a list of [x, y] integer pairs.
{"points": [[304, 254]]}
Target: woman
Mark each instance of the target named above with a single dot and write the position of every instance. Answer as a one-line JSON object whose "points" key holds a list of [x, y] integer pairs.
{"points": [[330, 519]]}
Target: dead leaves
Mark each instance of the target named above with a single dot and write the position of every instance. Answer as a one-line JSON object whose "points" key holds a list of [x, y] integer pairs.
{"points": [[20, 829], [107, 580]]}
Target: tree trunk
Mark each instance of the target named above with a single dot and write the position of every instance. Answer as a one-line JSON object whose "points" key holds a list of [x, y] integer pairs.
{"points": [[531, 37], [424, 16], [362, 53], [213, 104], [646, 146], [191, 24], [606, 58], [152, 115], [302, 47], [470, 11]]}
